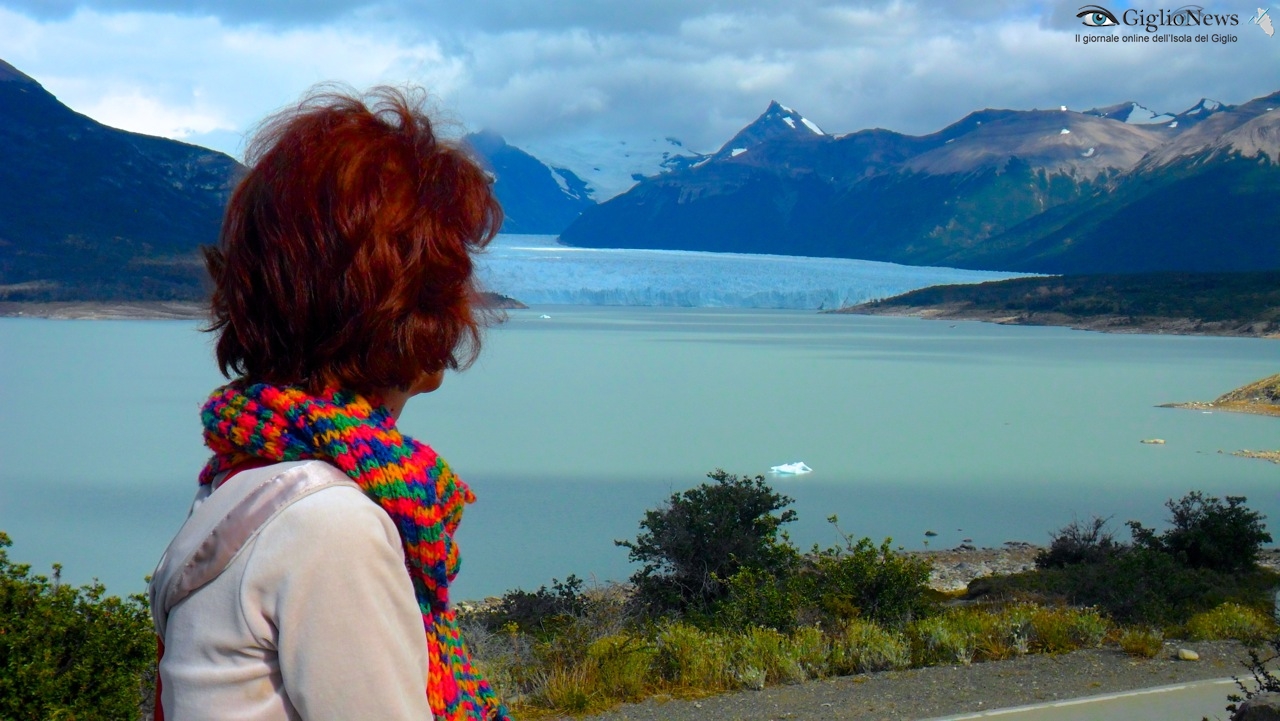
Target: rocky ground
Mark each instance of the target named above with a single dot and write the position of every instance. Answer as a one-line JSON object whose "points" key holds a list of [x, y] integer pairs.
{"points": [[953, 569]]}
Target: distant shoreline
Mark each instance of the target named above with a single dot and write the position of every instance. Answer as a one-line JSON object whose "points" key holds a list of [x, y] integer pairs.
{"points": [[106, 310], [197, 310], [1237, 304], [1101, 323], [149, 309]]}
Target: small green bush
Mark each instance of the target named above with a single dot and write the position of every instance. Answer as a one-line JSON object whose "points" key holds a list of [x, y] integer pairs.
{"points": [[1004, 633], [861, 580], [1077, 543], [769, 651], [1061, 630], [688, 657], [1231, 621], [946, 639], [567, 688], [70, 653], [1142, 642], [757, 598], [1205, 533], [812, 650], [704, 536], [623, 664], [538, 611], [863, 647]]}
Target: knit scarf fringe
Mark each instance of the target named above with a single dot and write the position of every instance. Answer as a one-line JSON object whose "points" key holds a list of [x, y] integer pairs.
{"points": [[406, 478]]}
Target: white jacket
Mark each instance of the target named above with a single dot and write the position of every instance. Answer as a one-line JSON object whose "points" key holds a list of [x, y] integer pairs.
{"points": [[277, 610]]}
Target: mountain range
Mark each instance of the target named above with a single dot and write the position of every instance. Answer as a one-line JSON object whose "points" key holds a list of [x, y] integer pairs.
{"points": [[90, 212], [1114, 189], [93, 212]]}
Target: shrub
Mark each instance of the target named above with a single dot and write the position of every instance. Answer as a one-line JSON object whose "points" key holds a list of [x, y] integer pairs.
{"points": [[1137, 587], [567, 688], [1077, 543], [861, 580], [1230, 621], [950, 638], [623, 663], [540, 610], [1061, 630], [70, 653], [1207, 534], [769, 651], [688, 657], [862, 647], [1006, 633], [812, 650], [706, 535], [1142, 642], [757, 598]]}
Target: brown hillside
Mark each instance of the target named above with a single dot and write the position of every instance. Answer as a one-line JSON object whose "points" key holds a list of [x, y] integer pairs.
{"points": [[1264, 392]]}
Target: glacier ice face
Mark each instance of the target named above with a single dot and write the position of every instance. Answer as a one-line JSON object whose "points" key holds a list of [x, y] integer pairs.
{"points": [[537, 270]]}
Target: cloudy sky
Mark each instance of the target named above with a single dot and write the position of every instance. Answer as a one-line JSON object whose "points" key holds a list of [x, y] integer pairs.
{"points": [[547, 73]]}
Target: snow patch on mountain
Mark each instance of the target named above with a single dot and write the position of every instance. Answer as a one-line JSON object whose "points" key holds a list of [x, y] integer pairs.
{"points": [[1204, 106], [1142, 115], [612, 166]]}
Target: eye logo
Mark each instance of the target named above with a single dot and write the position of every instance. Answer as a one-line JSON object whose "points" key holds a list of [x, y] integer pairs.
{"points": [[1096, 16]]}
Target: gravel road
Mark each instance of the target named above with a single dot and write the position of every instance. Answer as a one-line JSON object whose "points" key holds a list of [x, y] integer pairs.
{"points": [[945, 690]]}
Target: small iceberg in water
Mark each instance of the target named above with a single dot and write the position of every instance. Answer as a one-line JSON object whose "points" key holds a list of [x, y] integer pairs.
{"points": [[544, 316], [790, 469]]}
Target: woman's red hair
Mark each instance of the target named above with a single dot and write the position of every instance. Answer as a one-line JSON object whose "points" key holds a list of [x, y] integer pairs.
{"points": [[346, 252]]}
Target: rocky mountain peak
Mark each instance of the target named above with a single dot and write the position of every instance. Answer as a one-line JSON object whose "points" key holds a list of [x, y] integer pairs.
{"points": [[1204, 107], [777, 121], [1133, 113]]}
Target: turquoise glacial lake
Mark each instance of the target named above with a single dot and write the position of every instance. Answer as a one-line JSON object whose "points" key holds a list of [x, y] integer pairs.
{"points": [[569, 427]]}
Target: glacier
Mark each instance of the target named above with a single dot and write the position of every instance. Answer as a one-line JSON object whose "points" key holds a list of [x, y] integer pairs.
{"points": [[537, 270]]}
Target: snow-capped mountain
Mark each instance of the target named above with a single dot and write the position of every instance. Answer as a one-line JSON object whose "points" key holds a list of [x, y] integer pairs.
{"points": [[1132, 113], [610, 167], [778, 122], [1114, 189], [1212, 130]]}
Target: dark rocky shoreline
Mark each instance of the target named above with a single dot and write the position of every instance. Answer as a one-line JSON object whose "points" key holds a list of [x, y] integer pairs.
{"points": [[1101, 323]]}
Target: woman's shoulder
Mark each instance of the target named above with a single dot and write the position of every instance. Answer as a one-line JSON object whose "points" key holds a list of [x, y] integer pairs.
{"points": [[328, 504], [335, 527]]}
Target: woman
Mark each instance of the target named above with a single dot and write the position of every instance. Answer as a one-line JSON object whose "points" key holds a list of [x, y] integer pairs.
{"points": [[320, 546]]}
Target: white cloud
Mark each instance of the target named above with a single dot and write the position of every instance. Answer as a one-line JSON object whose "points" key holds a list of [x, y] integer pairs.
{"points": [[695, 69], [134, 110]]}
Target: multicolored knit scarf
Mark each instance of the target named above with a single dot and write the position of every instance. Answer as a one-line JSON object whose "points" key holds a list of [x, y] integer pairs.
{"points": [[406, 478]]}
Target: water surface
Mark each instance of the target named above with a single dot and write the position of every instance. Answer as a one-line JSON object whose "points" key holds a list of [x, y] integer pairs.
{"points": [[569, 427]]}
